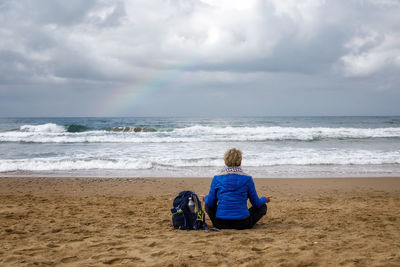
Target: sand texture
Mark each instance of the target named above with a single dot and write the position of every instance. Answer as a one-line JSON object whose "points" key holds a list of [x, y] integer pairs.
{"points": [[126, 222]]}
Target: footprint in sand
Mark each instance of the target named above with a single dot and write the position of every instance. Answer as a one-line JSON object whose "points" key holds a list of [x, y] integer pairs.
{"points": [[69, 259], [256, 249], [152, 244], [122, 260], [51, 245], [157, 253], [245, 241], [139, 237]]}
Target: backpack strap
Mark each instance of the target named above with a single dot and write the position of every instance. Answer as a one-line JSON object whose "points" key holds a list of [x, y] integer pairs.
{"points": [[201, 217]]}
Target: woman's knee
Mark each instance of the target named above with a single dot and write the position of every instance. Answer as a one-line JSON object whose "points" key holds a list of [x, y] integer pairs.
{"points": [[260, 210], [263, 209]]}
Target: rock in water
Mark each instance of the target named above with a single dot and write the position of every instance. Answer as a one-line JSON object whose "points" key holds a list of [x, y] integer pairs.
{"points": [[148, 129]]}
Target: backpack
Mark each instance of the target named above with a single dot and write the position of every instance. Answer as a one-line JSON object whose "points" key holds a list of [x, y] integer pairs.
{"points": [[185, 217]]}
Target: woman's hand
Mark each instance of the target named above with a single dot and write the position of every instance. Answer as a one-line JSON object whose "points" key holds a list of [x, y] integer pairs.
{"points": [[268, 198], [202, 197]]}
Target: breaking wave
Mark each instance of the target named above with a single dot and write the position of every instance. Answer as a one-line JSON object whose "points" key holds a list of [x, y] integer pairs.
{"points": [[299, 157], [75, 133], [44, 128]]}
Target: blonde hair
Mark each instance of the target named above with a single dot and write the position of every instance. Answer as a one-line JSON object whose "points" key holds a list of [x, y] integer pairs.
{"points": [[233, 157]]}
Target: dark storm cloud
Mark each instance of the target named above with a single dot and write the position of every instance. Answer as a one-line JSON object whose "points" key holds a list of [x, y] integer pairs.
{"points": [[38, 41], [256, 49]]}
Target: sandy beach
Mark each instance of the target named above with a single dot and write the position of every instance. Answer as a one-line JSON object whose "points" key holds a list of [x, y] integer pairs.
{"points": [[126, 222]]}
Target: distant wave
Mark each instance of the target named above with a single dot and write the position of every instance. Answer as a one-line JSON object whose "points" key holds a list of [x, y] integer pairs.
{"points": [[135, 129], [77, 128], [43, 128], [53, 128], [290, 133], [75, 133]]}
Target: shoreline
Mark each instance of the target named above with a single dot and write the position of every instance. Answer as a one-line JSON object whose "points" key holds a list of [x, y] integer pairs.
{"points": [[115, 175], [126, 221], [277, 171]]}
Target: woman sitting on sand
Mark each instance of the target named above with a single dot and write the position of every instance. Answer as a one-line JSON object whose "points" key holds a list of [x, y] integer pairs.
{"points": [[226, 203]]}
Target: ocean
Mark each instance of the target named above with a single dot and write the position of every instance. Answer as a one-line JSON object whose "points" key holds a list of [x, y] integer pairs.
{"points": [[194, 147]]}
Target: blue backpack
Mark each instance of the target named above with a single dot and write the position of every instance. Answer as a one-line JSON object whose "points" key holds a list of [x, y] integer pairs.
{"points": [[187, 213]]}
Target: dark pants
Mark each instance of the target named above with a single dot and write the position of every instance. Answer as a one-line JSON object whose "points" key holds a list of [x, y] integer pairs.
{"points": [[255, 215]]}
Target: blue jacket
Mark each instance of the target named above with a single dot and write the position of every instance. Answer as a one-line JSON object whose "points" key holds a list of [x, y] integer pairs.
{"points": [[231, 191]]}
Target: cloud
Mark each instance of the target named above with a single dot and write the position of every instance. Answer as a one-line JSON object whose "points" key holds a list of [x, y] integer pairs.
{"points": [[270, 36], [372, 52], [220, 44], [46, 42]]}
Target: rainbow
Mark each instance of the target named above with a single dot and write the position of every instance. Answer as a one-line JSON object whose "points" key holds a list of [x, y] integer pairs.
{"points": [[118, 100]]}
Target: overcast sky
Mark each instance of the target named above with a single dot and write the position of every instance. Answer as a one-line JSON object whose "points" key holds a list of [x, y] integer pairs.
{"points": [[199, 58]]}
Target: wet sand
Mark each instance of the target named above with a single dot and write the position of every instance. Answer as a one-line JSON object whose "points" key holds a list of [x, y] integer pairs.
{"points": [[126, 222]]}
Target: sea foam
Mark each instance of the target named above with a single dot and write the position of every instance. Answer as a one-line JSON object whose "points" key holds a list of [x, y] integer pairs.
{"points": [[294, 157], [44, 128], [53, 133]]}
